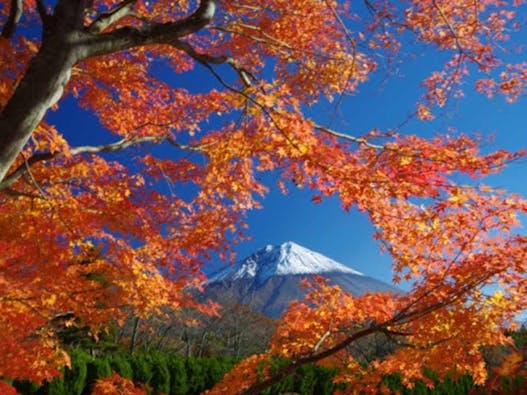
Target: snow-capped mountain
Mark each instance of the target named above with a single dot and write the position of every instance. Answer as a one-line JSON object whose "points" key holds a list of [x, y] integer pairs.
{"points": [[286, 259], [268, 280]]}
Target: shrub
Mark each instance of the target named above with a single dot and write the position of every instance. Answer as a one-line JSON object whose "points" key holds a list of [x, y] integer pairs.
{"points": [[98, 368], [178, 375], [75, 378], [120, 363], [160, 374], [141, 367]]}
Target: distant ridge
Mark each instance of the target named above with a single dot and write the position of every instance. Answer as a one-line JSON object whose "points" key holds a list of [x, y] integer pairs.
{"points": [[268, 280]]}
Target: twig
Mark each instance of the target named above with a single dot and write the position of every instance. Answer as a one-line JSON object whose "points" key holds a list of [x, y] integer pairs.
{"points": [[33, 180]]}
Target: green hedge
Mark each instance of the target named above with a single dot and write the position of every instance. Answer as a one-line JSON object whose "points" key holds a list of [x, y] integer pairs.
{"points": [[174, 374], [462, 385], [162, 372], [308, 379]]}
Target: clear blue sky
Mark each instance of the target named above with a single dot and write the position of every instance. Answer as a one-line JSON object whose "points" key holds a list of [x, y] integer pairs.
{"points": [[347, 237], [383, 103]]}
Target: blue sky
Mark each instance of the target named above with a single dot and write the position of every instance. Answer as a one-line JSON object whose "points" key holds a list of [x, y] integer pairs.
{"points": [[384, 102], [347, 237]]}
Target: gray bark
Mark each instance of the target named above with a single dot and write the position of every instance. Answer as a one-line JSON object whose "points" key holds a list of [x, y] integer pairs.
{"points": [[156, 33], [40, 88]]}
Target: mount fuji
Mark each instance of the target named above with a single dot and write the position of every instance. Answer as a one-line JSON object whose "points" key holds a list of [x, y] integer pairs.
{"points": [[268, 280]]}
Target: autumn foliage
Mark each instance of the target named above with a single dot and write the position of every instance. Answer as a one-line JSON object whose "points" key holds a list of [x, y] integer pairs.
{"points": [[91, 233], [116, 385]]}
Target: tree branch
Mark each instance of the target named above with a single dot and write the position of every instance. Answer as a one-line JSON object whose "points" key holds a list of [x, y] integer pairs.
{"points": [[92, 149], [154, 33], [398, 319], [106, 19], [12, 192], [293, 366], [358, 140], [50, 70], [42, 11], [198, 57], [69, 14], [321, 340], [15, 13], [205, 59], [457, 39]]}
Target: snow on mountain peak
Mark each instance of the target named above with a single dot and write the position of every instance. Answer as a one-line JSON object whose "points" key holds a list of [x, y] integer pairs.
{"points": [[286, 259]]}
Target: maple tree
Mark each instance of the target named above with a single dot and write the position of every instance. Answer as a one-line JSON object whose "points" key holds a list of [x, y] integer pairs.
{"points": [[88, 237]]}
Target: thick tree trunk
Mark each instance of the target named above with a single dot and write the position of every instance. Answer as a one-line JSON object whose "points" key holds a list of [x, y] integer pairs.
{"points": [[40, 88]]}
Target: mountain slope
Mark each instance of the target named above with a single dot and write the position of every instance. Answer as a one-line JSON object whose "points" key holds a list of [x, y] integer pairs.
{"points": [[268, 280]]}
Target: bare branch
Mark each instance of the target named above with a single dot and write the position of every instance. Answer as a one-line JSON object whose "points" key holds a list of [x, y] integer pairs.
{"points": [[93, 149], [119, 145], [106, 19], [12, 192], [15, 13], [33, 180], [358, 140], [154, 33], [247, 7], [21, 170], [201, 58], [244, 74], [321, 340]]}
